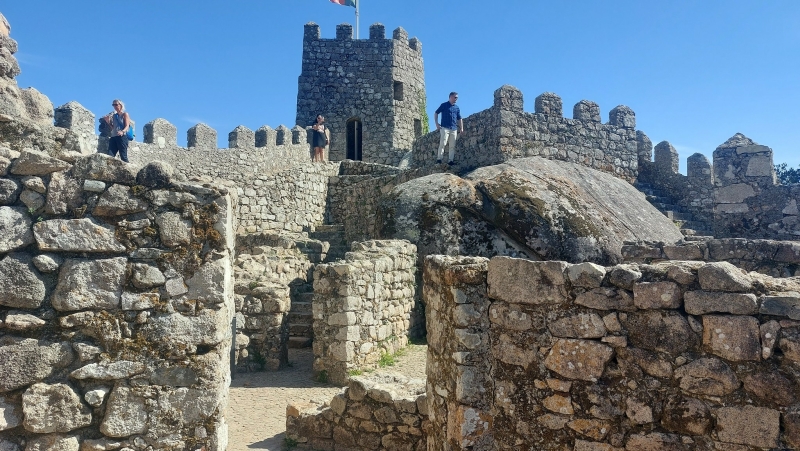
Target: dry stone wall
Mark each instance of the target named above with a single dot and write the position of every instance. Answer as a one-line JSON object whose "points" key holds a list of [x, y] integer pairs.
{"points": [[116, 301], [774, 258], [377, 412], [505, 131], [362, 307], [270, 270], [552, 356]]}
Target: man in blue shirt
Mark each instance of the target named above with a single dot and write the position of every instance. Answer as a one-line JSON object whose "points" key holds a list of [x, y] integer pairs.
{"points": [[450, 127]]}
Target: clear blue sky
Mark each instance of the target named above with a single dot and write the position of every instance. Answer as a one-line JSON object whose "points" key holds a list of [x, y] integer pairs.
{"points": [[695, 72]]}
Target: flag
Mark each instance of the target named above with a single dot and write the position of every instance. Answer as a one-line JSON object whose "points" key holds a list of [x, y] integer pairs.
{"points": [[345, 2]]}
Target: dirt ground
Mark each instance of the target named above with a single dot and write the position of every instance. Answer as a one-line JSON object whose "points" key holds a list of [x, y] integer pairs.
{"points": [[257, 406]]}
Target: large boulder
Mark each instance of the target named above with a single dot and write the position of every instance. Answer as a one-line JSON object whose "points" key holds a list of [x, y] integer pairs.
{"points": [[529, 207]]}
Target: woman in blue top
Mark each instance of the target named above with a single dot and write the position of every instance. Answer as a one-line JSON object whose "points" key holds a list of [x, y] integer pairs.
{"points": [[119, 121]]}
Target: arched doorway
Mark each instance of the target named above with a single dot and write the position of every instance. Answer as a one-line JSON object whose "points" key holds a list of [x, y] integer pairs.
{"points": [[354, 139]]}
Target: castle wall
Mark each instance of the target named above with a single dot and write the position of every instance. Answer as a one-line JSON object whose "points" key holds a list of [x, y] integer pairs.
{"points": [[378, 81], [362, 307], [676, 355], [378, 412], [505, 131], [116, 306], [770, 257]]}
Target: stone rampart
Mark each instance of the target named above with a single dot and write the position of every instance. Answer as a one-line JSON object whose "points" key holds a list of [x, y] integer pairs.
{"points": [[505, 131], [770, 257], [116, 301], [362, 307], [553, 356], [378, 412]]}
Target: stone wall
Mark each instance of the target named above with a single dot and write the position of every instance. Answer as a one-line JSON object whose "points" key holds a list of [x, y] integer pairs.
{"points": [[748, 203], [362, 307], [269, 270], [377, 81], [377, 412], [553, 356], [773, 258], [505, 131], [116, 301]]}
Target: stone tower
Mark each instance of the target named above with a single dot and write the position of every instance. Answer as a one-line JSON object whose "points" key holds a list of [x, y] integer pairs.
{"points": [[371, 92]]}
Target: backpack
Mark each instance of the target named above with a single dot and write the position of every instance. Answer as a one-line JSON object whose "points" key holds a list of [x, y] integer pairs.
{"points": [[131, 131]]}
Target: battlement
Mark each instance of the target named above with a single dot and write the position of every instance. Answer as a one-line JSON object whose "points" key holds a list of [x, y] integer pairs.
{"points": [[505, 131], [344, 32]]}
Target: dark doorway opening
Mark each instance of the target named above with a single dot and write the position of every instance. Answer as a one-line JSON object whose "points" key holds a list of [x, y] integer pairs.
{"points": [[354, 139]]}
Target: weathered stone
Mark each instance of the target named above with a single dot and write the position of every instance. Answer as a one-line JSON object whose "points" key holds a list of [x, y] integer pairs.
{"points": [[687, 416], [208, 327], [9, 191], [28, 361], [211, 282], [649, 362], [21, 286], [578, 359], [17, 321], [583, 445], [53, 408], [587, 275], [156, 174], [90, 284], [723, 276], [735, 338], [96, 397], [624, 276], [582, 325], [119, 200], [710, 377], [638, 412], [701, 302], [104, 168], [53, 442], [791, 424], [94, 186], [594, 429], [174, 230], [63, 195], [176, 287], [146, 276], [10, 414], [37, 163], [47, 263], [15, 223], [548, 277], [509, 316], [138, 301], [176, 376], [748, 425], [606, 299], [507, 351], [558, 404], [781, 304], [33, 200], [657, 295], [789, 344], [772, 387], [655, 441], [76, 235], [126, 414], [120, 369], [660, 331]]}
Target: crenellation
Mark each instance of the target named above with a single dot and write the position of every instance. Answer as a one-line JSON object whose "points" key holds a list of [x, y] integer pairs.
{"points": [[415, 44], [666, 157], [377, 31], [644, 148], [622, 116], [344, 31], [586, 110], [299, 135], [698, 167], [265, 136], [311, 32], [241, 138], [201, 136], [73, 116], [281, 134], [161, 133], [549, 104], [400, 34]]}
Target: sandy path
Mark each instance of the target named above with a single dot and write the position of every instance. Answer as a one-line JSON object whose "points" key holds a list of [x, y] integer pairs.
{"points": [[257, 406]]}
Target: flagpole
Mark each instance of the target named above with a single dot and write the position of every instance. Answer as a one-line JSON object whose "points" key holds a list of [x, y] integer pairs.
{"points": [[357, 3]]}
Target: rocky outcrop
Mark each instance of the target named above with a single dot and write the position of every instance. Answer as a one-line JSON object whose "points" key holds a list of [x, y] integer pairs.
{"points": [[27, 104], [531, 207]]}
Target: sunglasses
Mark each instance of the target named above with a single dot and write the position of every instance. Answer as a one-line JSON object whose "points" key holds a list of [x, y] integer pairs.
{"points": [[114, 104]]}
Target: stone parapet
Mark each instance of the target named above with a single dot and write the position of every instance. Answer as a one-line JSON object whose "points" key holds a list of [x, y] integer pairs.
{"points": [[672, 355], [377, 412], [362, 307], [116, 299]]}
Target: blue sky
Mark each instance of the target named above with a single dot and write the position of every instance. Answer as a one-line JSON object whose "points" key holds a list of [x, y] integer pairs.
{"points": [[695, 72]]}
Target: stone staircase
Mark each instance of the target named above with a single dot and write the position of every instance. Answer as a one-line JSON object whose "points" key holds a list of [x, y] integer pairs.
{"points": [[300, 319], [333, 234], [686, 222]]}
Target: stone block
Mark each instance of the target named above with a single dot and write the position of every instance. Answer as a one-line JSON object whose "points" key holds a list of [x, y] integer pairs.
{"points": [[657, 295], [708, 377], [578, 359], [734, 194], [544, 282], [748, 425], [702, 302], [735, 338]]}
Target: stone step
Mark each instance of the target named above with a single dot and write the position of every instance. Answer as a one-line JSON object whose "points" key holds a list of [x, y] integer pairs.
{"points": [[328, 228], [677, 216], [300, 342], [300, 330], [300, 318], [307, 297]]}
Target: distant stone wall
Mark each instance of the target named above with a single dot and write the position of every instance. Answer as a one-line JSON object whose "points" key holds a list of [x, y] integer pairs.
{"points": [[116, 301], [362, 307], [748, 203], [269, 269], [378, 412], [676, 355], [773, 258], [505, 131]]}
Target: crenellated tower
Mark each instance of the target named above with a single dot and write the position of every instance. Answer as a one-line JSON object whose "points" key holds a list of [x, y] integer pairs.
{"points": [[371, 92]]}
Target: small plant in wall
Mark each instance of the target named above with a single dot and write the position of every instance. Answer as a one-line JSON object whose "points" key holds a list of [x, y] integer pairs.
{"points": [[289, 443], [322, 377]]}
